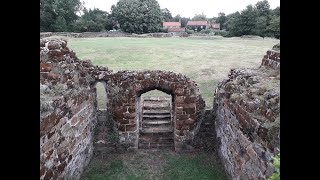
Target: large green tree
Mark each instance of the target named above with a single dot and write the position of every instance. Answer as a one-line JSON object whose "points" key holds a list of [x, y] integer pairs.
{"points": [[263, 8], [232, 24], [166, 14], [221, 19], [58, 15], [199, 17], [276, 11], [93, 21], [274, 27], [138, 16], [258, 20], [261, 25]]}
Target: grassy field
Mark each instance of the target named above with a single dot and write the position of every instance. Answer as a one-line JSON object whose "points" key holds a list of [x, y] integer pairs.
{"points": [[155, 165], [206, 61]]}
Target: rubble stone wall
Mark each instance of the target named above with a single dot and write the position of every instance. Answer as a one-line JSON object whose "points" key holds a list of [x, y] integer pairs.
{"points": [[67, 111], [125, 89], [248, 121]]}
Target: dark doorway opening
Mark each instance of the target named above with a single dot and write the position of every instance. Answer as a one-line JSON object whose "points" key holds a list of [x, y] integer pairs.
{"points": [[155, 119]]}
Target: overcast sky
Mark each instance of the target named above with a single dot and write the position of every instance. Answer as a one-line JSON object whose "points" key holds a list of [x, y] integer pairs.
{"points": [[188, 8]]}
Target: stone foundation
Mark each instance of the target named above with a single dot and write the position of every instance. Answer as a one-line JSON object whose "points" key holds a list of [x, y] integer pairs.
{"points": [[248, 122], [272, 58]]}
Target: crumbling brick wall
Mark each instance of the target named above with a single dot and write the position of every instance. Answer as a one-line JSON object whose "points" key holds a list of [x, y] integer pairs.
{"points": [[248, 121], [68, 108], [272, 58], [124, 89], [67, 111]]}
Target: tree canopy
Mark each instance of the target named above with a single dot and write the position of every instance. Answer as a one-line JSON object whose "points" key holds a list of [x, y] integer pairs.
{"points": [[199, 17], [58, 15], [145, 16], [253, 20], [167, 16], [138, 16], [93, 21]]}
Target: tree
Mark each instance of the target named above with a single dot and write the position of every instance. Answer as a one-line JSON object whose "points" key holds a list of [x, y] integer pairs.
{"points": [[274, 27], [247, 21], [232, 24], [199, 17], [263, 8], [166, 15], [221, 19], [60, 24], [276, 11], [183, 20], [58, 12], [138, 16], [260, 27], [93, 21]]}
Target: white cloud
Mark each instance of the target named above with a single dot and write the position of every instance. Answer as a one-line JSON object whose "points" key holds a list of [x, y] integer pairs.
{"points": [[188, 8]]}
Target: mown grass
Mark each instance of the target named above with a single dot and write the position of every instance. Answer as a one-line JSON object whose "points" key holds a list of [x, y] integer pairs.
{"points": [[206, 61], [192, 168], [115, 170], [155, 165]]}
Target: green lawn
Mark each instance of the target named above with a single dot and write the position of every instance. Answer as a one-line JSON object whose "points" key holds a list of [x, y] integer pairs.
{"points": [[155, 165], [206, 61]]}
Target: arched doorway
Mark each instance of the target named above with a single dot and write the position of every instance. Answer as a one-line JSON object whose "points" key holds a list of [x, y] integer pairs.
{"points": [[125, 89], [101, 93], [155, 117]]}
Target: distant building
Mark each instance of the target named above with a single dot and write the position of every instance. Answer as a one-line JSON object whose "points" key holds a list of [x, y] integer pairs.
{"points": [[173, 26], [215, 26], [197, 25]]}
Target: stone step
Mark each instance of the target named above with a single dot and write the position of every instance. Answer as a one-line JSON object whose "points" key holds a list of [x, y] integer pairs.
{"points": [[152, 111], [156, 122], [157, 140], [162, 126], [154, 117], [156, 107], [156, 135], [157, 129], [156, 145], [157, 99]]}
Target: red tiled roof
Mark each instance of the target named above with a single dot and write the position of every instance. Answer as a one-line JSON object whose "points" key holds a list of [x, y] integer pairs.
{"points": [[172, 24], [176, 29], [197, 23], [216, 25]]}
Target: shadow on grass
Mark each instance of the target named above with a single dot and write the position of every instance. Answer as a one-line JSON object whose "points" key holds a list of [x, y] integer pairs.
{"points": [[115, 170], [156, 166], [192, 168]]}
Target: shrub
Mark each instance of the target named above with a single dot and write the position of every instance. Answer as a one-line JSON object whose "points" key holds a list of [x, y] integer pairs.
{"points": [[221, 33], [189, 31], [206, 31], [164, 30], [276, 163]]}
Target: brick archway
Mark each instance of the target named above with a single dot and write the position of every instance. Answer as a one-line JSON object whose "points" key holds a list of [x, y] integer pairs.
{"points": [[125, 88]]}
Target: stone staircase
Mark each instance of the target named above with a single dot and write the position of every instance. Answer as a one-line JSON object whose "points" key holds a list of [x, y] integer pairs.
{"points": [[156, 125]]}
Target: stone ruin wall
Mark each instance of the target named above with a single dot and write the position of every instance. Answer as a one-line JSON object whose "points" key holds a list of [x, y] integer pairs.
{"points": [[272, 58], [69, 116], [247, 104], [67, 111], [248, 119], [108, 34], [125, 89]]}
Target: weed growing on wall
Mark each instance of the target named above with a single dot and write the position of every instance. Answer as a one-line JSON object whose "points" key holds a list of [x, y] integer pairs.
{"points": [[276, 163]]}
